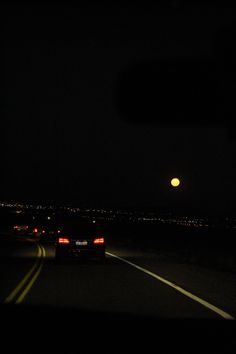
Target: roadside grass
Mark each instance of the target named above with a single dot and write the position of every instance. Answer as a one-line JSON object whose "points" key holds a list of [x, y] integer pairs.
{"points": [[212, 248]]}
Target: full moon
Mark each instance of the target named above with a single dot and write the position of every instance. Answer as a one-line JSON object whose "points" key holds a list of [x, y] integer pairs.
{"points": [[175, 182]]}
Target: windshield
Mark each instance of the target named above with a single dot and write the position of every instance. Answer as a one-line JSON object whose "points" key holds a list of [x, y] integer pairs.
{"points": [[82, 229], [120, 116]]}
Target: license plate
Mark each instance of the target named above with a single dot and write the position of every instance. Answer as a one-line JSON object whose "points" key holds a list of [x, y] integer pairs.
{"points": [[81, 243]]}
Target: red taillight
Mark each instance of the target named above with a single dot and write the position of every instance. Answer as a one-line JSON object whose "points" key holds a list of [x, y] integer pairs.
{"points": [[99, 240], [63, 240], [35, 230]]}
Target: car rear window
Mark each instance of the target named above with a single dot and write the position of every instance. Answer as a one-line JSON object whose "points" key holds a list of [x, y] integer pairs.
{"points": [[80, 229]]}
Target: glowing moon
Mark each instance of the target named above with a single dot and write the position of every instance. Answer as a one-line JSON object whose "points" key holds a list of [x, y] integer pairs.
{"points": [[175, 182]]}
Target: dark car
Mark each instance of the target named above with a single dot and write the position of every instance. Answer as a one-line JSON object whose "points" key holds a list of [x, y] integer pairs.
{"points": [[80, 239], [21, 229], [49, 233], [27, 230]]}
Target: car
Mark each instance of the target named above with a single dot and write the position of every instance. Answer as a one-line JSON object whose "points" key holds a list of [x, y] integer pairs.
{"points": [[27, 230], [49, 233], [80, 239], [21, 229], [34, 230]]}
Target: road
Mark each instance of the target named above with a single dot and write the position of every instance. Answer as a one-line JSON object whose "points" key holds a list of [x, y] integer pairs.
{"points": [[126, 288]]}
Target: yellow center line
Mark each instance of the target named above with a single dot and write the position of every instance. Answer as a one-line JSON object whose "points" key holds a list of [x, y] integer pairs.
{"points": [[32, 281], [16, 291]]}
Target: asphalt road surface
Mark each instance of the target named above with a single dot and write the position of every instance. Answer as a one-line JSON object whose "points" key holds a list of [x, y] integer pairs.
{"points": [[126, 293]]}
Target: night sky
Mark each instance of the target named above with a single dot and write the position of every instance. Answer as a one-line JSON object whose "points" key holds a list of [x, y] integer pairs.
{"points": [[103, 105]]}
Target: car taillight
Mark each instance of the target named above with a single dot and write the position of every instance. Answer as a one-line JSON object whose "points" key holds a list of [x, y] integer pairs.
{"points": [[35, 230], [99, 240], [63, 240]]}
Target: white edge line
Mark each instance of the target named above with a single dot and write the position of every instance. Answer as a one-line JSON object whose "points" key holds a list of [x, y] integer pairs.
{"points": [[176, 287]]}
